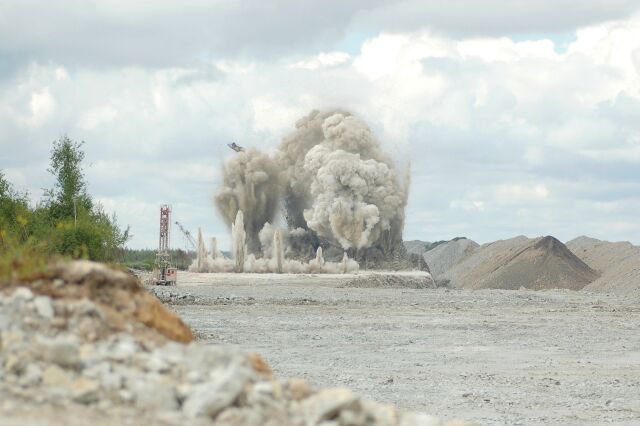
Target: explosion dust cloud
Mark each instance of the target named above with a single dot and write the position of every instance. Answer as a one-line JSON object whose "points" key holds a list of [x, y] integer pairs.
{"points": [[330, 184]]}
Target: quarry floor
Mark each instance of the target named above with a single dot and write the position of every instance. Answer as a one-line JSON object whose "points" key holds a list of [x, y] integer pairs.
{"points": [[492, 356]]}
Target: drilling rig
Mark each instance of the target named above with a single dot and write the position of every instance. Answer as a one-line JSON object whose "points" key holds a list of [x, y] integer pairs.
{"points": [[164, 273]]}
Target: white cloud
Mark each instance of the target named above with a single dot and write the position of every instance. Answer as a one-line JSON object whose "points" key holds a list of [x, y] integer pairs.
{"points": [[498, 131], [322, 60], [468, 205], [41, 106], [506, 50], [100, 115], [61, 73], [235, 67]]}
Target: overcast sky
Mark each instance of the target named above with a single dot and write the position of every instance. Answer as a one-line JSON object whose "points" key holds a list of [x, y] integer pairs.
{"points": [[517, 116]]}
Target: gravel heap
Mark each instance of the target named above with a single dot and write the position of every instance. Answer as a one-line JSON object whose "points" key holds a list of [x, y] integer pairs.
{"points": [[172, 297], [619, 264], [445, 256], [538, 264], [416, 246], [381, 280], [65, 355]]}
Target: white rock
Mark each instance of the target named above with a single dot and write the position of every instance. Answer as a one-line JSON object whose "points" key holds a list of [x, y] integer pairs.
{"points": [[381, 414], [157, 362], [44, 307], [8, 406], [21, 294], [154, 392], [194, 376], [183, 391], [419, 419], [173, 353], [327, 403], [31, 376], [266, 396], [124, 349], [102, 372], [89, 354], [104, 404], [55, 376], [60, 350], [126, 395], [97, 370], [85, 391], [14, 364], [111, 381], [208, 399]]}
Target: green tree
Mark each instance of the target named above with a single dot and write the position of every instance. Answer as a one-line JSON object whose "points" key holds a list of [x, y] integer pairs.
{"points": [[67, 223], [69, 193], [81, 228]]}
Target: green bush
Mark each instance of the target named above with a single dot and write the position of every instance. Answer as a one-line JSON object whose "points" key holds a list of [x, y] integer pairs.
{"points": [[66, 223]]}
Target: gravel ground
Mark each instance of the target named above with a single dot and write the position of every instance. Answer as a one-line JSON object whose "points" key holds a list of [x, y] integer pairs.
{"points": [[493, 356], [84, 344]]}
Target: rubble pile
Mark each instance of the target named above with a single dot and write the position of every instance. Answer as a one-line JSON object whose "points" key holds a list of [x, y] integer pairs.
{"points": [[64, 344], [379, 280], [173, 297]]}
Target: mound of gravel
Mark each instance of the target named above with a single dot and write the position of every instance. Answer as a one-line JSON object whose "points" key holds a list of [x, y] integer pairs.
{"points": [[119, 295], [617, 262], [416, 246], [69, 360], [537, 264], [172, 297], [391, 281], [445, 256]]}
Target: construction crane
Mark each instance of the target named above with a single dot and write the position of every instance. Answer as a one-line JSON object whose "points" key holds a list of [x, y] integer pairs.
{"points": [[164, 273], [187, 235]]}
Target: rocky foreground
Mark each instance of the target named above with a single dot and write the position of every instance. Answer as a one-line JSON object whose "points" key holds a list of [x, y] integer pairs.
{"points": [[85, 344]]}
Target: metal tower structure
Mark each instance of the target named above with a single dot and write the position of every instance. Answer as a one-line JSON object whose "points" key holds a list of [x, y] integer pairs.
{"points": [[165, 214], [164, 273]]}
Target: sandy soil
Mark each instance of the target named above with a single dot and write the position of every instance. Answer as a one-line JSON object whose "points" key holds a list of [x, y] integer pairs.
{"points": [[494, 356]]}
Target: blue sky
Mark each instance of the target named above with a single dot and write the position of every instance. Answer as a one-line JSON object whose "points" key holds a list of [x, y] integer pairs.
{"points": [[516, 117]]}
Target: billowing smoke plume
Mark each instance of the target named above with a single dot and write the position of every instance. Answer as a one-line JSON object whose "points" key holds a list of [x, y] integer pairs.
{"points": [[251, 184], [330, 182]]}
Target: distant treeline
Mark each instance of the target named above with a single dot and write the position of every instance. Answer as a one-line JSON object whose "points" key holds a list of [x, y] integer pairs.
{"points": [[145, 258], [431, 246]]}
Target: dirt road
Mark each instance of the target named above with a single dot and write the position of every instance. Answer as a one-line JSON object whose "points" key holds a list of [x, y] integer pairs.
{"points": [[496, 357]]}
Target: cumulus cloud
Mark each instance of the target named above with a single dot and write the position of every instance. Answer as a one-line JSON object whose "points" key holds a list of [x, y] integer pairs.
{"points": [[472, 108], [323, 59], [164, 33]]}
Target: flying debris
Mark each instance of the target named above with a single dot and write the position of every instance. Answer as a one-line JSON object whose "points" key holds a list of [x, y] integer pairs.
{"points": [[234, 146]]}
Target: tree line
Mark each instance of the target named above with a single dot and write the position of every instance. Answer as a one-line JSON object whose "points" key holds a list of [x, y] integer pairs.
{"points": [[66, 222]]}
